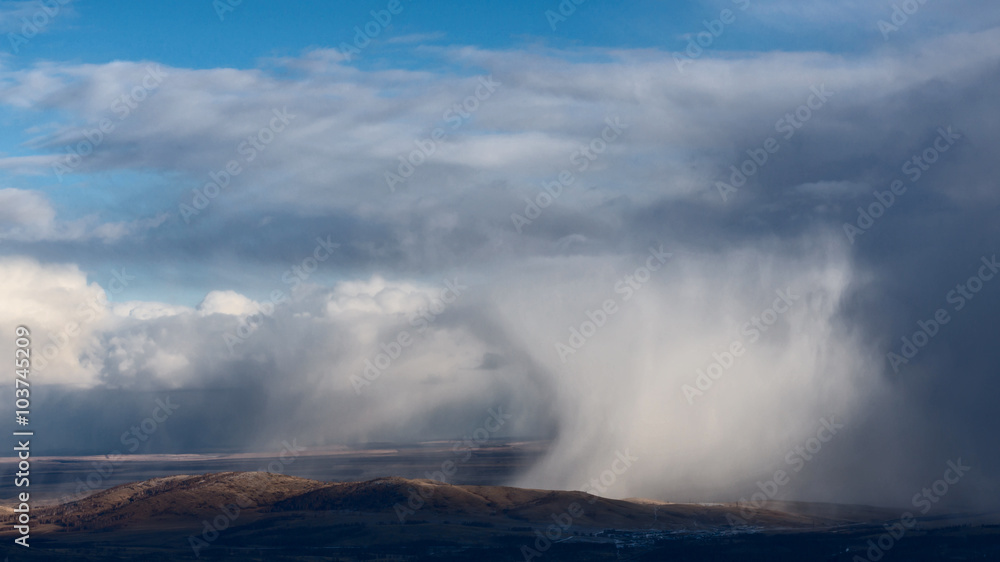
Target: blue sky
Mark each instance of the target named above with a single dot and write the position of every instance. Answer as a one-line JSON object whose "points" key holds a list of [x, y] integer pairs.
{"points": [[447, 39], [188, 33]]}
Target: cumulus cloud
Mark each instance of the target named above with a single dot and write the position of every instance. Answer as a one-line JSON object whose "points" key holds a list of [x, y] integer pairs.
{"points": [[62, 310], [295, 364], [143, 310], [227, 302]]}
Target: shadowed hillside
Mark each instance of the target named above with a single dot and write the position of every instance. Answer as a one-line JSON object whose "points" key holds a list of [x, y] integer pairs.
{"points": [[257, 515]]}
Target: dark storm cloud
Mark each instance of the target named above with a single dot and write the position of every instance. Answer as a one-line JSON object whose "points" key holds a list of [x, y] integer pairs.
{"points": [[655, 185]]}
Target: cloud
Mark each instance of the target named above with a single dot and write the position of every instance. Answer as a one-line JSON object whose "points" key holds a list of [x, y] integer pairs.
{"points": [[62, 311], [852, 25], [30, 15], [28, 216], [147, 310], [227, 302], [19, 208], [324, 175]]}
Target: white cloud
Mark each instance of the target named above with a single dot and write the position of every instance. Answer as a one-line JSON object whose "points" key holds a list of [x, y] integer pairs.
{"points": [[142, 310], [28, 216], [62, 311], [227, 302], [624, 387], [19, 208], [333, 156], [377, 296]]}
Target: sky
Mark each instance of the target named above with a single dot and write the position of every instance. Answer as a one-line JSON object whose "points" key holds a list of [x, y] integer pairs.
{"points": [[702, 232]]}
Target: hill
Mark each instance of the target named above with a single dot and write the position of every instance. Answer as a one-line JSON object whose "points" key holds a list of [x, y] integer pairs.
{"points": [[258, 515]]}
